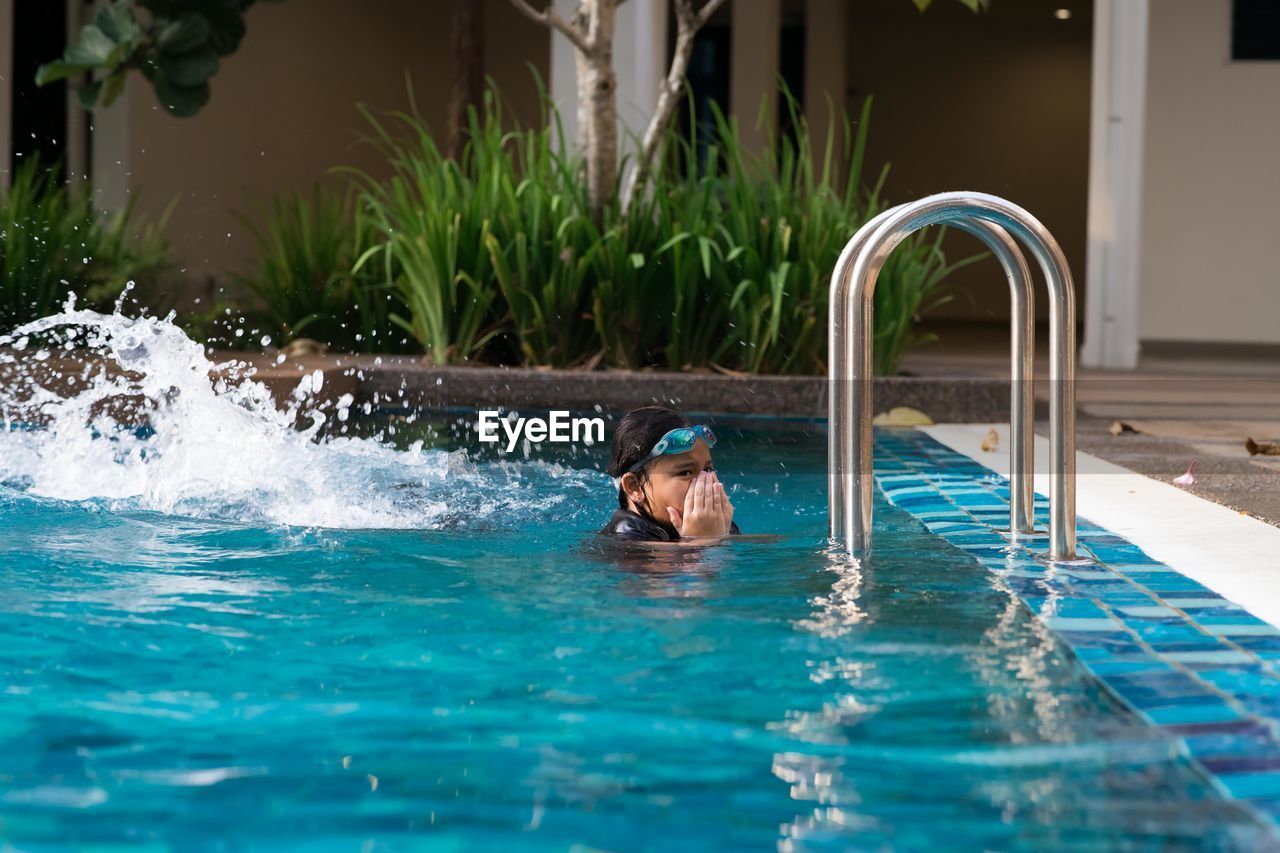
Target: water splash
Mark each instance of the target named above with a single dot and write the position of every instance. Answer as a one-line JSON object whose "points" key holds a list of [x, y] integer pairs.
{"points": [[128, 412]]}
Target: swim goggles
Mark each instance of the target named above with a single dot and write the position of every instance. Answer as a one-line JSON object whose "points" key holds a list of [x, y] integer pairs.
{"points": [[678, 440]]}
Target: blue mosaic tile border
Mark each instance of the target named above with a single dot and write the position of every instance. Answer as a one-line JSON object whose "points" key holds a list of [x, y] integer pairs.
{"points": [[1180, 655]]}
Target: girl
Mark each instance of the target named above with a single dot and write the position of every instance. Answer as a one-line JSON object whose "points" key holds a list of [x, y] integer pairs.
{"points": [[667, 490]]}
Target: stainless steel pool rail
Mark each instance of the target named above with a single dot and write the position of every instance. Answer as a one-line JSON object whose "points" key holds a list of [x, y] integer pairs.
{"points": [[993, 220]]}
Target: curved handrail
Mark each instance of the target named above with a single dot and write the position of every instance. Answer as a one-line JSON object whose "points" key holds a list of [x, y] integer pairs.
{"points": [[856, 353], [840, 442]]}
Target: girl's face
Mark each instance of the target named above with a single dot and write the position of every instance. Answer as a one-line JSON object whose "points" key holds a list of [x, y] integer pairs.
{"points": [[669, 477]]}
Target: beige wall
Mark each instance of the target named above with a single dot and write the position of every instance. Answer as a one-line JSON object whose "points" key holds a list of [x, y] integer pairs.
{"points": [[753, 65], [996, 103], [283, 110], [1210, 183]]}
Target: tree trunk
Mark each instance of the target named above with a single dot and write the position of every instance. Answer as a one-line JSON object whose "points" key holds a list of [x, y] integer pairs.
{"points": [[602, 90], [468, 71], [591, 31]]}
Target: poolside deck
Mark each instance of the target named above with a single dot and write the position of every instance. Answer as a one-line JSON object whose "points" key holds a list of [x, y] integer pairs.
{"points": [[1183, 408]]}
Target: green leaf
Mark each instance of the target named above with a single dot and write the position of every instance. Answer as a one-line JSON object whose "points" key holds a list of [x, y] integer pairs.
{"points": [[117, 23], [192, 68], [226, 24], [51, 72], [186, 33], [162, 8], [637, 260], [113, 85], [181, 100], [679, 238], [93, 50], [704, 244], [89, 94], [97, 47]]}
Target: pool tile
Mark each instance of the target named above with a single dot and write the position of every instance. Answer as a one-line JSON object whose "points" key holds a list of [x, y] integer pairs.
{"points": [[1111, 667], [1212, 656], [1147, 611], [1195, 603], [1259, 629], [1240, 764], [1068, 623], [1248, 785], [1177, 653], [1192, 712]]}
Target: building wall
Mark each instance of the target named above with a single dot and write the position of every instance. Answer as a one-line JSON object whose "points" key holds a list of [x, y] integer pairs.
{"points": [[1210, 183], [6, 86], [997, 103], [283, 111]]}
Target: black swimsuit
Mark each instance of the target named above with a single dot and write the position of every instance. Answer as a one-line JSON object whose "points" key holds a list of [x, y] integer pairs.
{"points": [[632, 526]]}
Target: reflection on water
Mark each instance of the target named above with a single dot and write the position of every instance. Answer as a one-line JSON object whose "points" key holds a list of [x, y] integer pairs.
{"points": [[835, 613], [945, 694]]}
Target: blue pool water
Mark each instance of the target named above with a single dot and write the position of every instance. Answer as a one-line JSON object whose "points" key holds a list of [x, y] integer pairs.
{"points": [[208, 677]]}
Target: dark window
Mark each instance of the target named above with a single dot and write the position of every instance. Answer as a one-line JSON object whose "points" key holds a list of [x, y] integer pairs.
{"points": [[708, 77], [791, 69], [39, 113], [1255, 29]]}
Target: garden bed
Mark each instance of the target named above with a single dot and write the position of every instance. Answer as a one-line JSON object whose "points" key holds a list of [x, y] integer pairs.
{"points": [[403, 382]]}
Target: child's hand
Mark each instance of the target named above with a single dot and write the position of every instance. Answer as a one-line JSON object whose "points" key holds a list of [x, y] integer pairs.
{"points": [[707, 511]]}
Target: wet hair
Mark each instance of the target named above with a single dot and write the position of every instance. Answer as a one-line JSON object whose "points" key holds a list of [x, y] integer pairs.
{"points": [[635, 435]]}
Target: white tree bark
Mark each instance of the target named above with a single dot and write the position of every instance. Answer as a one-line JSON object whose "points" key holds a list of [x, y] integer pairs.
{"points": [[591, 31], [602, 91], [581, 67]]}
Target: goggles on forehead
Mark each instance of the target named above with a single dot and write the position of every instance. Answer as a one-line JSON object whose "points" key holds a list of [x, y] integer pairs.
{"points": [[678, 440]]}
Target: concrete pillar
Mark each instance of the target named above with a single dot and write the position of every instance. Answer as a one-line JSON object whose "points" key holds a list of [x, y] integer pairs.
{"points": [[564, 74], [110, 168], [753, 62], [1115, 184], [825, 77], [6, 88], [640, 60], [76, 148]]}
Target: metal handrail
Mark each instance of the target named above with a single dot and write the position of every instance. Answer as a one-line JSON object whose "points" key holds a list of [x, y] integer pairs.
{"points": [[1022, 328], [849, 341]]}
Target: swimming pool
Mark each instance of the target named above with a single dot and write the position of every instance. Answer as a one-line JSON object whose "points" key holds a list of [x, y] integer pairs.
{"points": [[210, 660]]}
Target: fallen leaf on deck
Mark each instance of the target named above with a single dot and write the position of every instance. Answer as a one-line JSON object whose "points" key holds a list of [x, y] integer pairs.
{"points": [[991, 441], [1188, 478], [902, 416], [1261, 448], [1118, 427]]}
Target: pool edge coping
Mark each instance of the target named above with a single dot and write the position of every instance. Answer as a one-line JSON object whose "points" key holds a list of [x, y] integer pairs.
{"points": [[1227, 551]]}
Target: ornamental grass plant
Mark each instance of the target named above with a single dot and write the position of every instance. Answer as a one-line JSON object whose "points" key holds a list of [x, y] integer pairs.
{"points": [[53, 242], [490, 254], [722, 261], [307, 283]]}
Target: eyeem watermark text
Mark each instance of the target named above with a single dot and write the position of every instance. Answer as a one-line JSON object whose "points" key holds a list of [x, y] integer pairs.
{"points": [[558, 427]]}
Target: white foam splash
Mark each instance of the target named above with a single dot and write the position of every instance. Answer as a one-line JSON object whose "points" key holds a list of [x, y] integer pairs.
{"points": [[217, 447]]}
